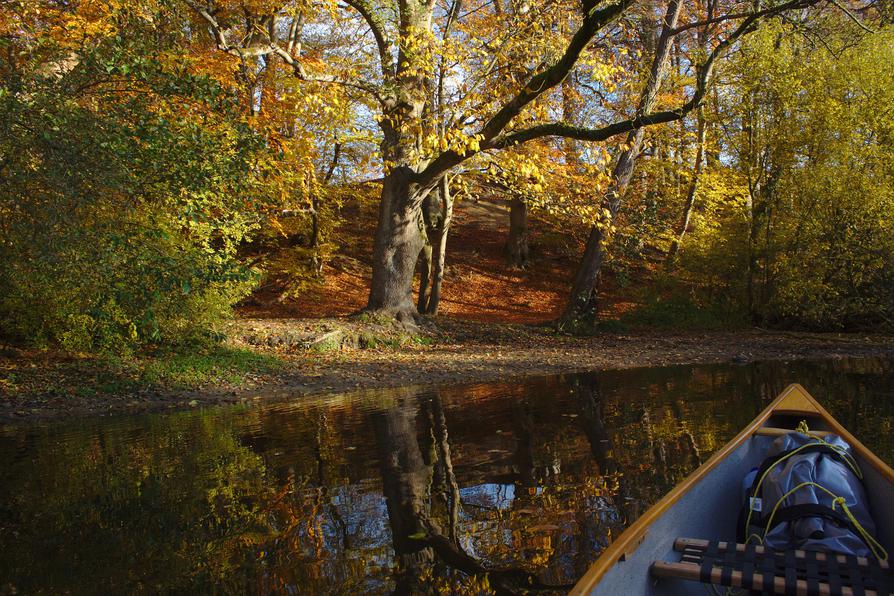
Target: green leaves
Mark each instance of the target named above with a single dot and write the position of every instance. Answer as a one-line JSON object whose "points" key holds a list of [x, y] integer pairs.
{"points": [[812, 149], [123, 197]]}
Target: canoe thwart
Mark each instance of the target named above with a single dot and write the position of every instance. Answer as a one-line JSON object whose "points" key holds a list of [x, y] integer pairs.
{"points": [[772, 431], [754, 567]]}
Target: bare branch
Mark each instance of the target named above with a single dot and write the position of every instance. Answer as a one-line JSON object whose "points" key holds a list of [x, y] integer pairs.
{"points": [[851, 16], [377, 26], [301, 74], [715, 20], [255, 50]]}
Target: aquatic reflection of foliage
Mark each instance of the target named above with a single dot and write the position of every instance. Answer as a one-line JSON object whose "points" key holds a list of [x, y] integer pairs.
{"points": [[172, 505]]}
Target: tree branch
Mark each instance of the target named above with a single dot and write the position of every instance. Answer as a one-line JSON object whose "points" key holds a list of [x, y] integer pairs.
{"points": [[720, 19], [449, 159], [594, 21], [271, 47], [377, 26], [851, 16]]}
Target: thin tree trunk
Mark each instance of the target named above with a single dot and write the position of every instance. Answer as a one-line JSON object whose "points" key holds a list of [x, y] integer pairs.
{"points": [[700, 148], [439, 243], [570, 114], [582, 306], [517, 249], [425, 271], [759, 261], [315, 199], [689, 204]]}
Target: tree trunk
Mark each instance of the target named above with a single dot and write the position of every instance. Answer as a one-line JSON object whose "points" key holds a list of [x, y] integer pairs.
{"points": [[693, 189], [399, 239], [700, 143], [517, 250], [425, 271], [399, 236], [582, 305], [439, 243]]}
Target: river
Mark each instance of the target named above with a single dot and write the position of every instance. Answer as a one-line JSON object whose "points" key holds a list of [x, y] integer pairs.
{"points": [[408, 490]]}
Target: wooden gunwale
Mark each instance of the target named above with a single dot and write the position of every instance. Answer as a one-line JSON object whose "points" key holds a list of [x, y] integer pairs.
{"points": [[794, 400]]}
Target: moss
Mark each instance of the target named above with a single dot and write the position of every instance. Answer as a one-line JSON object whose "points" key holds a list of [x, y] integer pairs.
{"points": [[328, 342]]}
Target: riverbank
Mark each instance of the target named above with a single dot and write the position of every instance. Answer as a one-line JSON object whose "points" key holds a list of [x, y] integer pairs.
{"points": [[276, 359]]}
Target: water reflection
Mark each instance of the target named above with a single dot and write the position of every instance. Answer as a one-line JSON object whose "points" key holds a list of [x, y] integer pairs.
{"points": [[498, 487]]}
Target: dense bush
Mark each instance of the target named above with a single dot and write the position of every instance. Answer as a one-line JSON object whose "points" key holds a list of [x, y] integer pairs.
{"points": [[795, 215], [125, 188]]}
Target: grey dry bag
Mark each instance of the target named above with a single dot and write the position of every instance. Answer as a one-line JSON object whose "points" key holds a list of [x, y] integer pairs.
{"points": [[790, 501]]}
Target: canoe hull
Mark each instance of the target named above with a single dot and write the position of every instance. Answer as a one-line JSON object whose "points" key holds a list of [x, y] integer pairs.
{"points": [[706, 504]]}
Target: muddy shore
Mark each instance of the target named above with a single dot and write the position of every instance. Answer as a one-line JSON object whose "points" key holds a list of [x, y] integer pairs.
{"points": [[454, 352]]}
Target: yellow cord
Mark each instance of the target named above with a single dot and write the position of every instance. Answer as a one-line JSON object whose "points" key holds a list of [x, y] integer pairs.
{"points": [[851, 462], [877, 549], [873, 544], [753, 535]]}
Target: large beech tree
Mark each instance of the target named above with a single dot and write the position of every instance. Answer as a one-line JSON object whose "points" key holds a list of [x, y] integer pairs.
{"points": [[405, 39]]}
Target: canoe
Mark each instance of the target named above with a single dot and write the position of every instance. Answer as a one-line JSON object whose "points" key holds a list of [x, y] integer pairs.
{"points": [[706, 504]]}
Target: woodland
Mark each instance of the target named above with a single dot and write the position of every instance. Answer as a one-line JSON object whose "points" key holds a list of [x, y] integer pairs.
{"points": [[163, 161]]}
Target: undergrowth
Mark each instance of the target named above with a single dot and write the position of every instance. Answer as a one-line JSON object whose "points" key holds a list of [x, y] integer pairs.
{"points": [[668, 303], [182, 368]]}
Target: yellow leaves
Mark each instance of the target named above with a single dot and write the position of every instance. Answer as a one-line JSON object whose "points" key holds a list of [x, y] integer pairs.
{"points": [[474, 143], [62, 25], [453, 140]]}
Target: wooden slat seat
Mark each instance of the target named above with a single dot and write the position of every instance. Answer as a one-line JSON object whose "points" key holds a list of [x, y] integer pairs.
{"points": [[752, 567]]}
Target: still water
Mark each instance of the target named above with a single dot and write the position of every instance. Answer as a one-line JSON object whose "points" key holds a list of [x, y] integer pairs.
{"points": [[407, 490]]}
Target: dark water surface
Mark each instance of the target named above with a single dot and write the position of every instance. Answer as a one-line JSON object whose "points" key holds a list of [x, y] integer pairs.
{"points": [[379, 491]]}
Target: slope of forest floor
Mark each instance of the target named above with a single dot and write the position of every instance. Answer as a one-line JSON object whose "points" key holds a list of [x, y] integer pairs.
{"points": [[478, 284], [490, 328]]}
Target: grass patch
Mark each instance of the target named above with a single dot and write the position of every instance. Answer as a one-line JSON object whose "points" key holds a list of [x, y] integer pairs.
{"points": [[187, 369], [174, 368]]}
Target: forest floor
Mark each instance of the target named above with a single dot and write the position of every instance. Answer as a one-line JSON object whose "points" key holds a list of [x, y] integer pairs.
{"points": [[491, 328]]}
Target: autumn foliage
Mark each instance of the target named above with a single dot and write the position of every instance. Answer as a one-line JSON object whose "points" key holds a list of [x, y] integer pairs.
{"points": [[159, 158]]}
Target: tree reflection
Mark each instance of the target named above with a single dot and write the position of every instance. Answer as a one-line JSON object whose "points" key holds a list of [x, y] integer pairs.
{"points": [[408, 485], [406, 481]]}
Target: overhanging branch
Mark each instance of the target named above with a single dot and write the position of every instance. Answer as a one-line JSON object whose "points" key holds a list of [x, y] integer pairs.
{"points": [[377, 26], [594, 20], [449, 159]]}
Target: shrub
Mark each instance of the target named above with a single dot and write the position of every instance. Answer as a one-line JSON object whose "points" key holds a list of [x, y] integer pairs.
{"points": [[121, 210]]}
